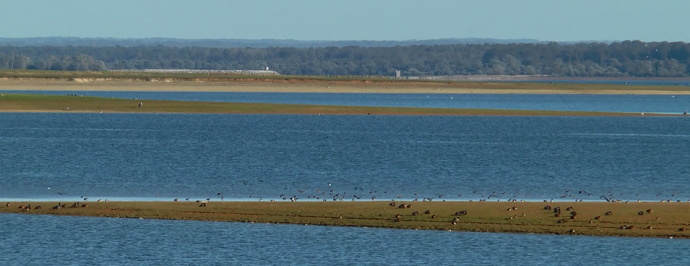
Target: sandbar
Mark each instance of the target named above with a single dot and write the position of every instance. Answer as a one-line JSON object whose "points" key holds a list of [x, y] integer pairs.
{"points": [[86, 104], [634, 219], [316, 85]]}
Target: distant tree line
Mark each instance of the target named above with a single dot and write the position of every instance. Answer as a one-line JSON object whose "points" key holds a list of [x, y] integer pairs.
{"points": [[75, 62], [620, 59]]}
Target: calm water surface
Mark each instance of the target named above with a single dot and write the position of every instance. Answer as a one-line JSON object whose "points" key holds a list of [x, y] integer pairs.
{"points": [[243, 156], [577, 102], [54, 240], [140, 156]]}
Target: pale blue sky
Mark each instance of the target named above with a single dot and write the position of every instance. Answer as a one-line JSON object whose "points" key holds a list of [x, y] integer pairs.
{"points": [[547, 20]]}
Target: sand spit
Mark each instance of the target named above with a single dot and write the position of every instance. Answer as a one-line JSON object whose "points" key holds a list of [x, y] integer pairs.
{"points": [[322, 86], [667, 219], [84, 104]]}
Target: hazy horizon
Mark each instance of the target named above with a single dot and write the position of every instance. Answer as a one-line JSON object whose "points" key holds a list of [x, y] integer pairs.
{"points": [[312, 40], [384, 20]]}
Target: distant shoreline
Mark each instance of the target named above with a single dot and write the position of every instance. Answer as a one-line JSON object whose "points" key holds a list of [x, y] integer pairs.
{"points": [[323, 85], [574, 218]]}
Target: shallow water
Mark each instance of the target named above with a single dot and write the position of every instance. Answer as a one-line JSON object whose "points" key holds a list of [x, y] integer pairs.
{"points": [[56, 240], [578, 102]]}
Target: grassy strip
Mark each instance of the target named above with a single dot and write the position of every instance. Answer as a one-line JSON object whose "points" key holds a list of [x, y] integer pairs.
{"points": [[662, 219], [371, 84], [60, 103]]}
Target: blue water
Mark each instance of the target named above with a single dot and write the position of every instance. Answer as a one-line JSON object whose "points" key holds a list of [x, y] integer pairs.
{"points": [[358, 157], [166, 156], [576, 102], [51, 240]]}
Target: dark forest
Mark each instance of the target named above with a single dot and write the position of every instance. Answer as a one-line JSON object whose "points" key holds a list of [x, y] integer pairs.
{"points": [[619, 59]]}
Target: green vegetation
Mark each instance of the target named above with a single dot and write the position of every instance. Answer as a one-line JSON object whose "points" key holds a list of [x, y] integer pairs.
{"points": [[64, 103], [638, 219], [620, 59]]}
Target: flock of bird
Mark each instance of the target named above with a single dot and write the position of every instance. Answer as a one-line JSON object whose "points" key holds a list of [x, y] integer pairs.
{"points": [[359, 193]]}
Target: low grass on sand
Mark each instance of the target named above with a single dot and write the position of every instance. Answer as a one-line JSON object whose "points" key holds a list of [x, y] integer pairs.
{"points": [[132, 81], [64, 103], [656, 219]]}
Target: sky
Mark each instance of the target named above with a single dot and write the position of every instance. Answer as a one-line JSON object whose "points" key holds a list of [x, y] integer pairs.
{"points": [[545, 20]]}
